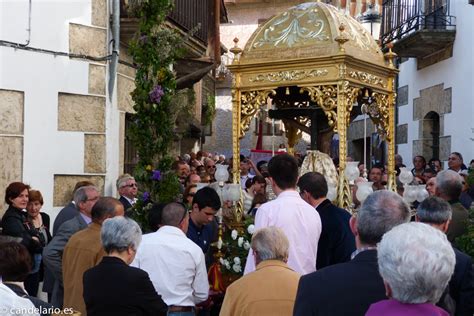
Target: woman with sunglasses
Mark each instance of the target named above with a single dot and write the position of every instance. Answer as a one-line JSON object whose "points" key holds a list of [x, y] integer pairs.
{"points": [[188, 195]]}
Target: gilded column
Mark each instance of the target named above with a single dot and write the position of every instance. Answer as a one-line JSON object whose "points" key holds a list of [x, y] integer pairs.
{"points": [[344, 199], [389, 57], [236, 103], [392, 183]]}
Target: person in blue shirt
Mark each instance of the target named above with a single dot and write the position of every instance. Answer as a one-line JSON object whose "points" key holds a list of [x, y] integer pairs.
{"points": [[202, 223]]}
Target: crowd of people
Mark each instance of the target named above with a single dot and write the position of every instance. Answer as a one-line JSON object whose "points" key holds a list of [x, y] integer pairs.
{"points": [[306, 257]]}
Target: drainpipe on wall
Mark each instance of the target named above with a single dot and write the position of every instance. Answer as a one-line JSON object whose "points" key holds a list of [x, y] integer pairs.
{"points": [[116, 44], [29, 27]]}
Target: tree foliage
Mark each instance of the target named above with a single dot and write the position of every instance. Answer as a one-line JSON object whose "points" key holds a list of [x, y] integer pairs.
{"points": [[154, 50]]}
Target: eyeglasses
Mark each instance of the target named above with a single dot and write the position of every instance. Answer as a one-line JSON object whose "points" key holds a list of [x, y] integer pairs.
{"points": [[213, 167], [191, 194], [130, 185]]}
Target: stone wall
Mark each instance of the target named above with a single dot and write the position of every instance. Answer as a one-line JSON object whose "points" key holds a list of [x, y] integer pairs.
{"points": [[64, 185], [401, 135], [435, 99], [11, 140], [86, 113], [81, 113]]}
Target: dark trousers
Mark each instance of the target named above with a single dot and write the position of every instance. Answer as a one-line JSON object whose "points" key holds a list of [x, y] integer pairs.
{"points": [[32, 283]]}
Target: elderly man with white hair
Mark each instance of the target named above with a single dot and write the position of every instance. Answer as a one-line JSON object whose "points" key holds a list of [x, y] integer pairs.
{"points": [[271, 289], [416, 262], [449, 188], [127, 188], [113, 287], [437, 213]]}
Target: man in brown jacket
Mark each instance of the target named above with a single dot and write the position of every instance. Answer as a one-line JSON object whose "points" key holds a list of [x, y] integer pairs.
{"points": [[271, 289], [84, 251]]}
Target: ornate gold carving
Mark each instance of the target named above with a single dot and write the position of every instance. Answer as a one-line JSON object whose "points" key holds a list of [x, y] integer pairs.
{"points": [[350, 94], [354, 31], [289, 75], [367, 78], [250, 104], [392, 183], [304, 24], [341, 38], [235, 134], [379, 113], [326, 98], [342, 71], [390, 56], [236, 51], [344, 94], [344, 195], [293, 135]]}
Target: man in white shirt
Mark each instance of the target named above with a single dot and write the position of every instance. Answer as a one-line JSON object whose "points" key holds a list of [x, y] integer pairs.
{"points": [[12, 304], [175, 263], [299, 220]]}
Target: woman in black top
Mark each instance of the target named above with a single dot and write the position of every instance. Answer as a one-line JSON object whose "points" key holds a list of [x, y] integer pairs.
{"points": [[39, 223], [14, 222]]}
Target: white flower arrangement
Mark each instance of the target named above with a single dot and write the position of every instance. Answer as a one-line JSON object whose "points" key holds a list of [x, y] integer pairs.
{"points": [[237, 268], [251, 229], [235, 247], [227, 264]]}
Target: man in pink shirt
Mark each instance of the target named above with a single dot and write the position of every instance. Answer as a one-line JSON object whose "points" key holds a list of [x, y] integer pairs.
{"points": [[299, 220]]}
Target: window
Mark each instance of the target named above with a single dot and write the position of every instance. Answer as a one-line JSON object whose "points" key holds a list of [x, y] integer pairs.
{"points": [[431, 129], [130, 156]]}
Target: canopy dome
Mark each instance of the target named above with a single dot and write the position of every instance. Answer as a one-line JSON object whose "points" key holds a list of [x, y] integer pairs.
{"points": [[309, 30]]}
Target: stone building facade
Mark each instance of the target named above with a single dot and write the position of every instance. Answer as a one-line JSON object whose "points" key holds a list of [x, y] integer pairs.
{"points": [[59, 122], [435, 100]]}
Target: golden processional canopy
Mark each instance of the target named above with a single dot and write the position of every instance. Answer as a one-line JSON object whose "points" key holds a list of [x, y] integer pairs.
{"points": [[309, 30], [317, 67]]}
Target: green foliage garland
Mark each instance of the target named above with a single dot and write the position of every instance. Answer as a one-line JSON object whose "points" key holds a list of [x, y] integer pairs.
{"points": [[209, 111], [154, 50]]}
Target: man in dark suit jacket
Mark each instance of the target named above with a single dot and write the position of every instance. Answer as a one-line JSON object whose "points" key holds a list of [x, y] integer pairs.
{"points": [[85, 198], [336, 243], [128, 190], [113, 287], [437, 213], [350, 288]]}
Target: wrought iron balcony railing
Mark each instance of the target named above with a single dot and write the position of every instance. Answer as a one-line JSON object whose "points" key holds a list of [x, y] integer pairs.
{"points": [[187, 15], [403, 17], [193, 14]]}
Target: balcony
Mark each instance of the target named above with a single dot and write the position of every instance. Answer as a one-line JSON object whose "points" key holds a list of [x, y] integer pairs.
{"points": [[418, 28], [202, 49], [196, 15]]}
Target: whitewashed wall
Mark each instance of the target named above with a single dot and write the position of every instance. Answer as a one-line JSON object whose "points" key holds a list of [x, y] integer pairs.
{"points": [[457, 73], [48, 151]]}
